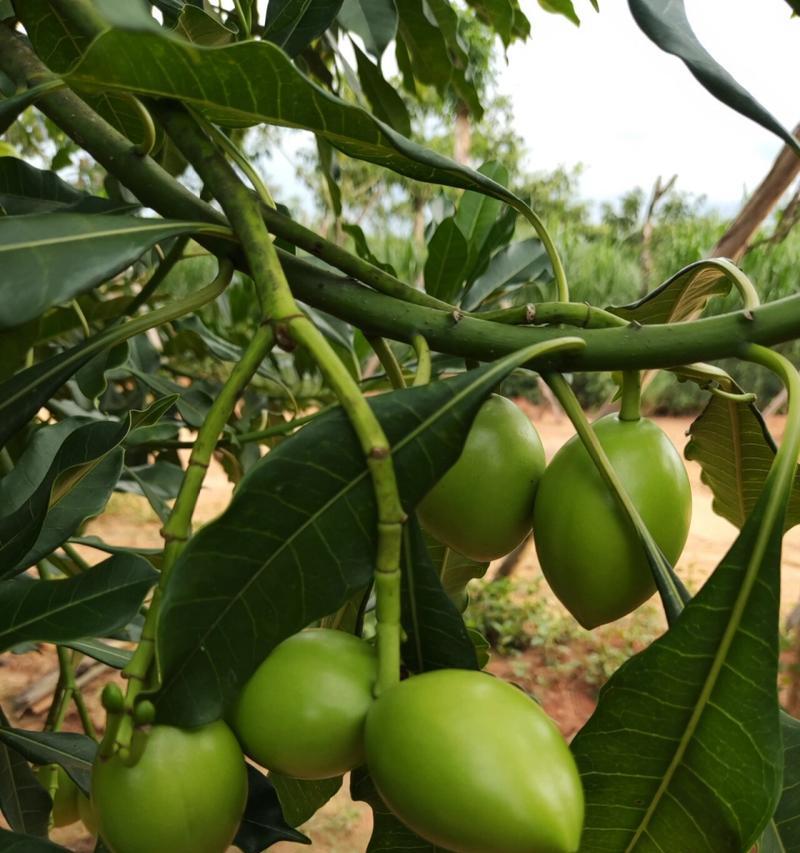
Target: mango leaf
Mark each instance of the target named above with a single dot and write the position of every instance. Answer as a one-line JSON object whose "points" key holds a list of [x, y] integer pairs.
{"points": [[263, 823], [49, 258], [219, 83], [522, 261], [446, 264], [561, 7], [386, 104], [98, 601], [72, 751], [734, 448], [158, 482], [665, 23], [476, 214], [102, 652], [389, 835], [504, 16], [294, 24], [301, 799], [683, 296], [455, 570], [436, 637], [362, 247], [91, 378], [298, 539], [787, 815], [199, 26], [25, 189], [12, 106], [684, 749], [14, 842], [24, 803], [374, 21]]}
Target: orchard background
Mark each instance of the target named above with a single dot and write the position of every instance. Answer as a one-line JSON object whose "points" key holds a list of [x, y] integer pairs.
{"points": [[153, 356]]}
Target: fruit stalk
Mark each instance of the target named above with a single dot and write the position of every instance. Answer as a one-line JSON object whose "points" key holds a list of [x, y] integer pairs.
{"points": [[630, 404], [388, 361], [292, 327], [423, 352]]}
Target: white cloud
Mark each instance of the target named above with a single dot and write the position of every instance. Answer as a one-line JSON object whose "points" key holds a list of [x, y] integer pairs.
{"points": [[605, 96]]}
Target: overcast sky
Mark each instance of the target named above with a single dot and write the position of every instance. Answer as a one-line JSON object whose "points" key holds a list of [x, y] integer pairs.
{"points": [[605, 96]]}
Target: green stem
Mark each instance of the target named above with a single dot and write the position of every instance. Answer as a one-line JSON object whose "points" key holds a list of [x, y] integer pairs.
{"points": [[150, 138], [87, 332], [631, 405], [562, 289], [162, 271], [278, 305], [741, 282], [423, 351], [243, 18], [76, 558], [673, 594], [388, 361], [177, 530]]}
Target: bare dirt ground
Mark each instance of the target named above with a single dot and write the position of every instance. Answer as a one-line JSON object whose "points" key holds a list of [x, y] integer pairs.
{"points": [[343, 826]]}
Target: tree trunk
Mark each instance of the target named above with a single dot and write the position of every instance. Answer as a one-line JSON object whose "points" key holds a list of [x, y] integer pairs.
{"points": [[735, 240]]}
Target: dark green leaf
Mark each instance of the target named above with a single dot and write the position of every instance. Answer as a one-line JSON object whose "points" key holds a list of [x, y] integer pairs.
{"points": [[24, 803], [263, 823], [795, 4], [13, 842], [97, 543], [96, 602], [294, 24], [74, 752], [49, 258], [389, 835], [681, 297], [476, 214], [158, 482], [787, 816], [11, 107], [665, 23], [525, 260], [300, 536], [374, 21], [300, 799], [201, 27], [447, 261], [330, 172], [25, 189], [454, 570], [219, 82], [436, 637], [685, 746], [734, 448], [362, 247], [99, 651], [91, 378], [386, 104]]}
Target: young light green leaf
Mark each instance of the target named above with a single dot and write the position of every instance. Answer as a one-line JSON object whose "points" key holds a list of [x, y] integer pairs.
{"points": [[374, 21], [96, 602], [50, 258], [74, 752], [665, 23], [733, 446], [275, 542], [476, 214]]}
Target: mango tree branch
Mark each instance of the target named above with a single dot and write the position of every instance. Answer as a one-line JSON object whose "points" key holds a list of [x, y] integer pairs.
{"points": [[292, 326]]}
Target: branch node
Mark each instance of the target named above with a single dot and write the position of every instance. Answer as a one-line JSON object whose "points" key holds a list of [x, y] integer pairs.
{"points": [[379, 453], [456, 316]]}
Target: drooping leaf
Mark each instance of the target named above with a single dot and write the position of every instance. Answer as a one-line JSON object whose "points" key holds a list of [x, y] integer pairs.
{"points": [[684, 748], [263, 823], [96, 602], [219, 83], [386, 104], [301, 799], [298, 539], [454, 570], [561, 7], [15, 842], [525, 260], [24, 803], [447, 261], [374, 21], [665, 23], [683, 296], [734, 448], [436, 637], [72, 751], [389, 835], [294, 24], [25, 189], [49, 258]]}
